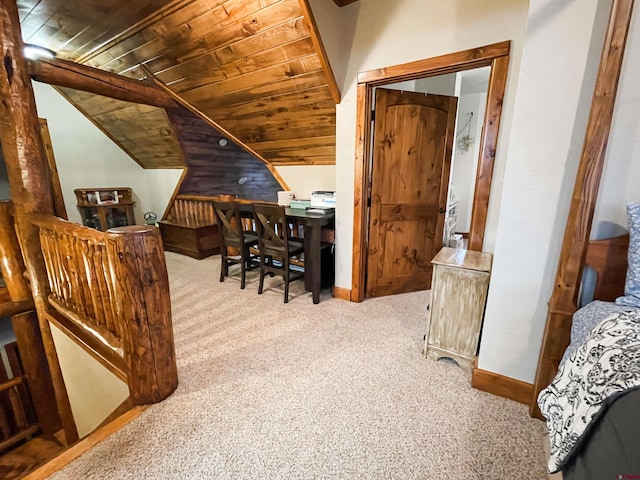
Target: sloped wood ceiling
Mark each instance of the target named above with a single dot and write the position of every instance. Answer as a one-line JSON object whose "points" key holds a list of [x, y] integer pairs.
{"points": [[254, 67], [144, 132]]}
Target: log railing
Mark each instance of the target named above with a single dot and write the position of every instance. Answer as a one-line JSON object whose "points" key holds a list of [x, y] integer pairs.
{"points": [[191, 210], [109, 291]]}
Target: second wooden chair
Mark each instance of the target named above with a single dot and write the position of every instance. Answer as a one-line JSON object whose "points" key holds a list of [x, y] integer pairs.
{"points": [[233, 236], [276, 244]]}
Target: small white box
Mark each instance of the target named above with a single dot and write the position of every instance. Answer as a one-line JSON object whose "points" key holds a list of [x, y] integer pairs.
{"points": [[323, 199]]}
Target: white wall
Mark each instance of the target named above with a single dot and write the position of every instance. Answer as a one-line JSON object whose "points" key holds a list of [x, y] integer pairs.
{"points": [[438, 85], [559, 62], [465, 164], [88, 158], [544, 117], [392, 33], [305, 179], [621, 175], [94, 392]]}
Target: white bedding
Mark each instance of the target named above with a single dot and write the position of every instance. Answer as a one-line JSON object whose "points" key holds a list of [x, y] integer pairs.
{"points": [[605, 364]]}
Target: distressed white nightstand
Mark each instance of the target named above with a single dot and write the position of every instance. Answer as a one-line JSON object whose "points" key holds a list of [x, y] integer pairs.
{"points": [[458, 296]]}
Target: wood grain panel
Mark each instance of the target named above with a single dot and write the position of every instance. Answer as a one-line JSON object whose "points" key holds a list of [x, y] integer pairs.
{"points": [[142, 131], [215, 170], [256, 68], [506, 387], [76, 28]]}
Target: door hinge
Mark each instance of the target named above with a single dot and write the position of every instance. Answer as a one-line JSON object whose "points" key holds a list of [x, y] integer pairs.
{"points": [[369, 202], [373, 115]]}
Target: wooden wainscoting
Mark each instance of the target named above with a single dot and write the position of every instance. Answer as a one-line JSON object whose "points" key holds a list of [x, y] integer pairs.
{"points": [[506, 387]]}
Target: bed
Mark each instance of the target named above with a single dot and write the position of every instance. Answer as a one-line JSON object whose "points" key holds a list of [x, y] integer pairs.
{"points": [[592, 407]]}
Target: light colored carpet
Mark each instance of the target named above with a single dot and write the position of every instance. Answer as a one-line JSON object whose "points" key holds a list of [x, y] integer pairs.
{"points": [[299, 391]]}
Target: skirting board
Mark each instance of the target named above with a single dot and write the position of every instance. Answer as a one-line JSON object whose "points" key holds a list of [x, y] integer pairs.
{"points": [[341, 293], [516, 390]]}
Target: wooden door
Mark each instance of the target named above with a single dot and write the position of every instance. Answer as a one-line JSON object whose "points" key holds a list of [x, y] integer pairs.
{"points": [[413, 140]]}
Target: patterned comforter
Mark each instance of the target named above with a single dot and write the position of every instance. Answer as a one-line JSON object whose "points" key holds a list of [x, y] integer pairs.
{"points": [[605, 364]]}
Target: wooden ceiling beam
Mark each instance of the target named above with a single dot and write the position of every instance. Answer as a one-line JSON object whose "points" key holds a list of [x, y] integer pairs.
{"points": [[63, 73]]}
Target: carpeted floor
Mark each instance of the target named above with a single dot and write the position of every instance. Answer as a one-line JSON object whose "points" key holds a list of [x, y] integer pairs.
{"points": [[299, 391]]}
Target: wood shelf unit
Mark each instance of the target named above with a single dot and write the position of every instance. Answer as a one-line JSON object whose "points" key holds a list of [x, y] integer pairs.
{"points": [[105, 208], [458, 298]]}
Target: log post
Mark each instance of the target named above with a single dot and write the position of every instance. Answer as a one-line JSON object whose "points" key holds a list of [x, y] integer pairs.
{"points": [[12, 265], [137, 255], [29, 182]]}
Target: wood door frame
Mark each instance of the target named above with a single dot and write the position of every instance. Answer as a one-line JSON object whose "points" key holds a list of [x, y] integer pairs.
{"points": [[495, 56]]}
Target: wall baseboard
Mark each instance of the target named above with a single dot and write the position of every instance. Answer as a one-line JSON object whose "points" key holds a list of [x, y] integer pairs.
{"points": [[506, 387], [341, 293]]}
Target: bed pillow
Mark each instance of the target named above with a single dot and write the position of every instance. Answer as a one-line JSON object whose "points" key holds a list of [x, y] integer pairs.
{"points": [[632, 285]]}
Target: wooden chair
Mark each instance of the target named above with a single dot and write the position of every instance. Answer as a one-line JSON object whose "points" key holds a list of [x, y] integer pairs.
{"points": [[232, 235], [276, 244]]}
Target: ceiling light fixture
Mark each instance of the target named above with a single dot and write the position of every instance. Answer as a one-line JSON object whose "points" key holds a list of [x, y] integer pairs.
{"points": [[36, 52]]}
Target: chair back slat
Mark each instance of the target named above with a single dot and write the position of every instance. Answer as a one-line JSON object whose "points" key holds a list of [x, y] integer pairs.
{"points": [[273, 229], [227, 216]]}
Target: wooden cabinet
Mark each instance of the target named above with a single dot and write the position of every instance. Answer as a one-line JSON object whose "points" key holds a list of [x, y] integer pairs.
{"points": [[458, 297], [104, 208]]}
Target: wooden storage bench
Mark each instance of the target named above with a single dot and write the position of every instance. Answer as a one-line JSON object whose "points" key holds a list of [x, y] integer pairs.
{"points": [[189, 227]]}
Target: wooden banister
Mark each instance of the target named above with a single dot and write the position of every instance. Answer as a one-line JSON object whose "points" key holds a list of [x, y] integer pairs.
{"points": [[110, 294], [141, 284]]}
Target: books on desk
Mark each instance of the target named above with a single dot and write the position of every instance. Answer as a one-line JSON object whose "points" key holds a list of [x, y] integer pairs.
{"points": [[300, 204], [305, 205]]}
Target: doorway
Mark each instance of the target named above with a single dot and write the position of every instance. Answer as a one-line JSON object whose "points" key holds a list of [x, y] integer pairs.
{"points": [[496, 57]]}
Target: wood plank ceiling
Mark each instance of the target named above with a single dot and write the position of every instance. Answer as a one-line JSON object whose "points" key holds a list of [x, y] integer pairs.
{"points": [[254, 67]]}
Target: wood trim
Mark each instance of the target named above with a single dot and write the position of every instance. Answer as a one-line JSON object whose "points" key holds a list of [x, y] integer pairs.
{"points": [[502, 386], [193, 109], [564, 297], [496, 56], [361, 192], [488, 146], [319, 48], [84, 445], [56, 190], [341, 293], [448, 63]]}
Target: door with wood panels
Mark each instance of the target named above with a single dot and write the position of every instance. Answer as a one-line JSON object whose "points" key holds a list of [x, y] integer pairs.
{"points": [[412, 146]]}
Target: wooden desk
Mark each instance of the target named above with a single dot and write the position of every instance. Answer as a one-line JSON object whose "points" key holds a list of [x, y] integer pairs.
{"points": [[312, 224]]}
